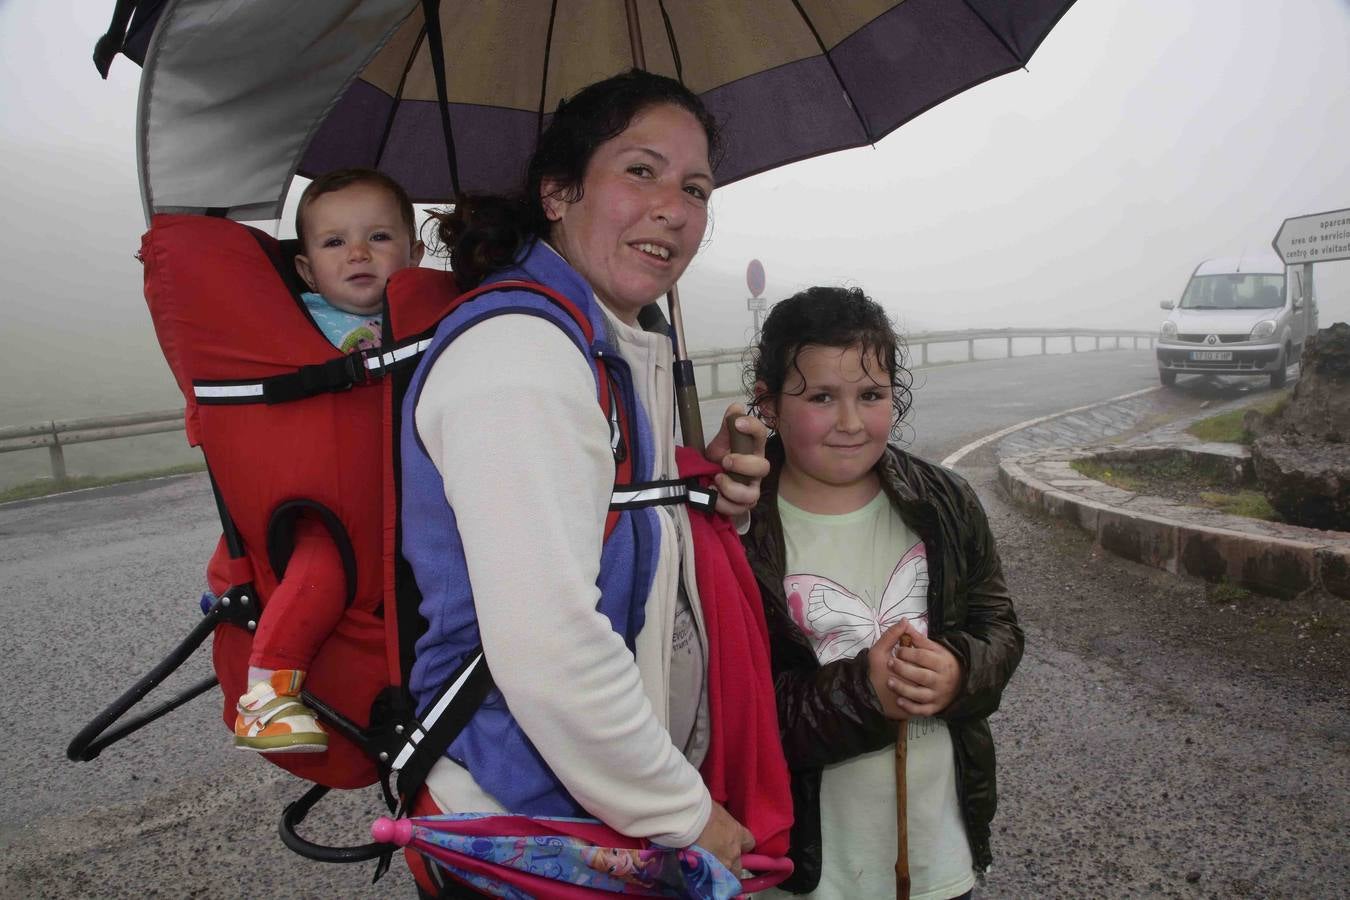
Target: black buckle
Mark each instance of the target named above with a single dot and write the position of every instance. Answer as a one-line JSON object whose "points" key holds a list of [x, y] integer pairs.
{"points": [[333, 376]]}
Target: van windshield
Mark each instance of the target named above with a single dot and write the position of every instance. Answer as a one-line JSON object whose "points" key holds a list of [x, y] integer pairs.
{"points": [[1234, 292]]}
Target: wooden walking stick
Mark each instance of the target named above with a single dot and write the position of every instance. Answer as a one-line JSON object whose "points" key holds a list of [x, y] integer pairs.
{"points": [[902, 803]]}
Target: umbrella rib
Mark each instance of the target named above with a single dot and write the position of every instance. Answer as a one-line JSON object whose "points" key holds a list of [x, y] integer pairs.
{"points": [[996, 33], [543, 82], [398, 98], [833, 68], [670, 39], [432, 30]]}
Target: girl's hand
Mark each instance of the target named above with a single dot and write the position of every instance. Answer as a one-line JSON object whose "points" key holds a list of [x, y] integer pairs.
{"points": [[924, 677], [879, 657], [739, 495]]}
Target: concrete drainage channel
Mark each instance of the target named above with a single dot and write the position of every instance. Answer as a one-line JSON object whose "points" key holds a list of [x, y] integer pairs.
{"points": [[1268, 557]]}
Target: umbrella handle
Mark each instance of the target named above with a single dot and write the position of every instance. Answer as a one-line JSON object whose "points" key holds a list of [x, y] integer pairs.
{"points": [[770, 870], [740, 443]]}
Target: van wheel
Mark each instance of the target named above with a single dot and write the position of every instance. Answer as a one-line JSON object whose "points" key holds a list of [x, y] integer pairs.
{"points": [[1168, 377], [1281, 373]]}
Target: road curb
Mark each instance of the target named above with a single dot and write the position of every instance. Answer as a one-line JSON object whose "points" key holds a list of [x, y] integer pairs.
{"points": [[1271, 558]]}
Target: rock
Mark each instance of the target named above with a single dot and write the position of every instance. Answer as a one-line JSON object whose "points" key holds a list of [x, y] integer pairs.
{"points": [[1302, 456], [1307, 481], [1320, 406], [1255, 422]]}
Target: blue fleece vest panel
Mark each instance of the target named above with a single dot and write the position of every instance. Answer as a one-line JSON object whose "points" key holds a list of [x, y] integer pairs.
{"points": [[492, 746]]}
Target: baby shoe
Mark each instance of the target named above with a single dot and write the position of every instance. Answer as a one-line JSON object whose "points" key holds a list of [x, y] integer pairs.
{"points": [[271, 718]]}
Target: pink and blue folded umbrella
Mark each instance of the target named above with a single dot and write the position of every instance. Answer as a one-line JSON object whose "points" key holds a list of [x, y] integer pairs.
{"points": [[519, 858]]}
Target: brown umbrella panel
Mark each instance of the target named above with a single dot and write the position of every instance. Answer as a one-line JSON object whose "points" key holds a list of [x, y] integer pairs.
{"points": [[235, 102]]}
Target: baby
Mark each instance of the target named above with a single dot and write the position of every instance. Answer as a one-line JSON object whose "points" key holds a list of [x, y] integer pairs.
{"points": [[356, 229]]}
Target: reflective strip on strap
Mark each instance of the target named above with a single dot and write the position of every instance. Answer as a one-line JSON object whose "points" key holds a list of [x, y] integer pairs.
{"points": [[657, 494], [213, 391], [245, 391], [437, 710], [702, 498], [398, 354], [662, 493]]}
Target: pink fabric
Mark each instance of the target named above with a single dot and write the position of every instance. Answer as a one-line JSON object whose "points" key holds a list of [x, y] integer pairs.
{"points": [[745, 769]]}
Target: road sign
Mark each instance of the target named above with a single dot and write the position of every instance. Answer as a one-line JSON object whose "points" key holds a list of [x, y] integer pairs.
{"points": [[1321, 237], [754, 277]]}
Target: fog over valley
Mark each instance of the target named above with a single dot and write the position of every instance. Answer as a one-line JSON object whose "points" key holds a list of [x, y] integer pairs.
{"points": [[1144, 137]]}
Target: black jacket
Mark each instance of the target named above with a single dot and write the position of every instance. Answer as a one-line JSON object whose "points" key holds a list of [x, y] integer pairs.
{"points": [[830, 713]]}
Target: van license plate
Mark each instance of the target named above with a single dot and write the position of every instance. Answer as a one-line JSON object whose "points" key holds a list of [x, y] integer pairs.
{"points": [[1212, 355]]}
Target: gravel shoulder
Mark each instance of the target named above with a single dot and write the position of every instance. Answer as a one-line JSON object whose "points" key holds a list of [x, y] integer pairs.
{"points": [[1163, 737]]}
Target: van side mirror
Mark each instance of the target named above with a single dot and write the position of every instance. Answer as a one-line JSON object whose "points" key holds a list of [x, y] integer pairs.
{"points": [[1298, 304], [1165, 304]]}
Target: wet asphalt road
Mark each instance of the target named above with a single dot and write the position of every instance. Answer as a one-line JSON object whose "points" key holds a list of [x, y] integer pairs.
{"points": [[1159, 739]]}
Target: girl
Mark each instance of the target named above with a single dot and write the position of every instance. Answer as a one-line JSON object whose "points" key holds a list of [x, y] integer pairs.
{"points": [[856, 543]]}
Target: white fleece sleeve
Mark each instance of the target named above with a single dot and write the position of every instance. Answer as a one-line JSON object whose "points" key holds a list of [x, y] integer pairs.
{"points": [[510, 418]]}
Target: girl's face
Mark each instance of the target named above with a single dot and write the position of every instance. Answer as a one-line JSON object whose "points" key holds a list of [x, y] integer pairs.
{"points": [[642, 213], [834, 418]]}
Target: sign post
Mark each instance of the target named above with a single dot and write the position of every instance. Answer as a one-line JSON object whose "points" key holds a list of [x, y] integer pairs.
{"points": [[754, 280], [1320, 237]]}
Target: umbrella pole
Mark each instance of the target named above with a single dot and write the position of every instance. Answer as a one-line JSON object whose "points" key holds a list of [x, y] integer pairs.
{"points": [[686, 391], [902, 802]]}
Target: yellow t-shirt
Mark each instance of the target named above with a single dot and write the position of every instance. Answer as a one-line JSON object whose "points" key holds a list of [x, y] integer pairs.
{"points": [[850, 577]]}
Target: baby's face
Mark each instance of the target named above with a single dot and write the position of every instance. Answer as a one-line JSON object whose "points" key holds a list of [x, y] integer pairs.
{"points": [[355, 238]]}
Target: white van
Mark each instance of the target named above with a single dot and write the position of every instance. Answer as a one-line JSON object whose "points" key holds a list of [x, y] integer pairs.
{"points": [[1239, 315]]}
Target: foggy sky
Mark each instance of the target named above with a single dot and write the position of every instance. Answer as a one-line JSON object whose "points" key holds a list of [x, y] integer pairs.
{"points": [[1146, 136]]}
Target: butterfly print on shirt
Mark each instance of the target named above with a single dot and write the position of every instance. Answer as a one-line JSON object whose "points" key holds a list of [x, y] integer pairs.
{"points": [[839, 623]]}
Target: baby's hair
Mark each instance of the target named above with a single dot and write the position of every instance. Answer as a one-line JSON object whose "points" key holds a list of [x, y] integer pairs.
{"points": [[340, 179], [827, 317]]}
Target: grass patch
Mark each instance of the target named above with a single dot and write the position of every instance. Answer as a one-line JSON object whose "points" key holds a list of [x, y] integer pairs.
{"points": [[1132, 476], [1183, 479], [1224, 593], [1226, 428], [1252, 504], [45, 486], [1105, 473]]}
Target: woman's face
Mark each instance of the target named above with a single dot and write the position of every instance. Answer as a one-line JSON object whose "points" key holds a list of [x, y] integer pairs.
{"points": [[642, 213]]}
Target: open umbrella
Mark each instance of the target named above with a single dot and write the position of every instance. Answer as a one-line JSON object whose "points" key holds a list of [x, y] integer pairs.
{"points": [[446, 95], [512, 856], [241, 95]]}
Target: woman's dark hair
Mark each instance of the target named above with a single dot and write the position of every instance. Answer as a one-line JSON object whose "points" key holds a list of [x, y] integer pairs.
{"points": [[339, 179], [826, 317], [484, 233]]}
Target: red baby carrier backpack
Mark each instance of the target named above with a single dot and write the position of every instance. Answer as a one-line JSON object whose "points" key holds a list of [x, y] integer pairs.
{"points": [[291, 426]]}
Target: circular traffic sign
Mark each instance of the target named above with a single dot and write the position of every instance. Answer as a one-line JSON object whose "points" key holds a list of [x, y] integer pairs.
{"points": [[754, 277]]}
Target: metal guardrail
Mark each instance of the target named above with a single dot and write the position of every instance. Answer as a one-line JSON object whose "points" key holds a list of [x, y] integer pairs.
{"points": [[56, 434], [59, 432], [918, 342]]}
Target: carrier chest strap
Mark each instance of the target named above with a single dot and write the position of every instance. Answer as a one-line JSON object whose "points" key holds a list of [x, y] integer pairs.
{"points": [[668, 492], [332, 376]]}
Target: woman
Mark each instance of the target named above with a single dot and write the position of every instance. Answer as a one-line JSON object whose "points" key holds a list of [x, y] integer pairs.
{"points": [[596, 645]]}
